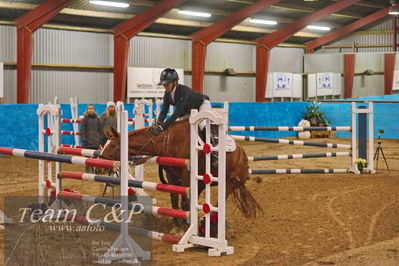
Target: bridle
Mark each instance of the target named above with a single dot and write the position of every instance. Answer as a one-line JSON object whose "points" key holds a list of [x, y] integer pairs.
{"points": [[143, 147], [151, 140]]}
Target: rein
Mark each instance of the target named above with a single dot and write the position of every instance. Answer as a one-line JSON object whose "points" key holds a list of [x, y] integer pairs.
{"points": [[151, 140]]}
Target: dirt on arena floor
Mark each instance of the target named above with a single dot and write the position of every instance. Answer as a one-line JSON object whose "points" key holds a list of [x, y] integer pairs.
{"points": [[312, 219]]}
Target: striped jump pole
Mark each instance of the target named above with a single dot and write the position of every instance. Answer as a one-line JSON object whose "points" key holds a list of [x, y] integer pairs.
{"points": [[65, 120], [134, 119], [134, 230], [79, 152], [298, 171], [252, 128], [298, 156], [108, 164], [169, 161], [294, 142], [133, 207], [72, 146], [66, 132], [131, 183]]}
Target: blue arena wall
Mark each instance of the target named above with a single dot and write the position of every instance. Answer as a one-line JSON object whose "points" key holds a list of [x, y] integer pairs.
{"points": [[19, 124], [386, 116]]}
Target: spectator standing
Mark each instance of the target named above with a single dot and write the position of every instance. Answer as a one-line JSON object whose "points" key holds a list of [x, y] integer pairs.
{"points": [[108, 119], [90, 130]]}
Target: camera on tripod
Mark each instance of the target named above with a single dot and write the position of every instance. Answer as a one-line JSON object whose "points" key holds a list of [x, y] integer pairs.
{"points": [[379, 150]]}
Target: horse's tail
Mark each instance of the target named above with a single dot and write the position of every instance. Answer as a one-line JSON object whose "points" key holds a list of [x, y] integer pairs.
{"points": [[160, 173], [245, 202]]}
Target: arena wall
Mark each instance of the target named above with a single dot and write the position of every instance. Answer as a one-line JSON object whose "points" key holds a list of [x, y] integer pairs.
{"points": [[19, 122]]}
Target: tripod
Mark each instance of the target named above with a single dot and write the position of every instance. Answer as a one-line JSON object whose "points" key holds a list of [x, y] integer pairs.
{"points": [[377, 153]]}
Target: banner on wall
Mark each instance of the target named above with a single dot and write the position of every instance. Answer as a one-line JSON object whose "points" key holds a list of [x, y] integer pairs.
{"points": [[324, 84], [282, 81], [395, 85], [324, 80], [281, 84], [142, 82], [1, 80]]}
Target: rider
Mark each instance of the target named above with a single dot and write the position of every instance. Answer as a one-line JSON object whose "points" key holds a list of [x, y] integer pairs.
{"points": [[184, 98]]}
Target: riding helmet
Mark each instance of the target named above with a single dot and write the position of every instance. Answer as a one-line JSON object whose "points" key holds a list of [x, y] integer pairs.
{"points": [[168, 75]]}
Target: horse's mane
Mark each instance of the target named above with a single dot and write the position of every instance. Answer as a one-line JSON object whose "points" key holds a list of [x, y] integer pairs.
{"points": [[147, 128]]}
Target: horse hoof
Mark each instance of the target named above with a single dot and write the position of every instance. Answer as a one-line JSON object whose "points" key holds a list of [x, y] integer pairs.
{"points": [[178, 231], [173, 231]]}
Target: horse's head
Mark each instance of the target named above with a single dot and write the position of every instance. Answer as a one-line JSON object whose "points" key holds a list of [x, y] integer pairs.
{"points": [[144, 142], [141, 142], [111, 150]]}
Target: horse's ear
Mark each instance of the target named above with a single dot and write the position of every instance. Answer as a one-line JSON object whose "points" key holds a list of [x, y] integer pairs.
{"points": [[111, 133], [114, 132]]}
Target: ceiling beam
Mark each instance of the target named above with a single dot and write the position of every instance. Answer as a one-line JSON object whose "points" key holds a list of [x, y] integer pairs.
{"points": [[159, 35], [366, 4], [298, 8], [27, 24], [27, 6], [166, 21], [284, 33], [127, 30], [203, 37], [310, 46]]}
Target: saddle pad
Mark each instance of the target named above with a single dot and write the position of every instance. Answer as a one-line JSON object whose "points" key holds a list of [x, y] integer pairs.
{"points": [[230, 144]]}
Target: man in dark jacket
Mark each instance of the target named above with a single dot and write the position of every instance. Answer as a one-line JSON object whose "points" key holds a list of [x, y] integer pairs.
{"points": [[90, 129], [90, 132], [185, 99]]}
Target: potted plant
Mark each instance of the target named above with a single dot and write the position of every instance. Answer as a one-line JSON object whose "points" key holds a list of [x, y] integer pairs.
{"points": [[317, 119], [361, 164]]}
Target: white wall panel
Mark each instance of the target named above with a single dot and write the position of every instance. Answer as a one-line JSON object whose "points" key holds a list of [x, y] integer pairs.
{"points": [[227, 88], [159, 52], [286, 60], [8, 43], [89, 87], [316, 63], [220, 56], [368, 85], [72, 47], [10, 86]]}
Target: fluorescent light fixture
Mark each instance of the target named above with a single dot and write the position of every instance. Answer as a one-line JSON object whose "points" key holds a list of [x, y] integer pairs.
{"points": [[394, 9], [262, 21], [314, 27], [110, 3], [194, 13]]}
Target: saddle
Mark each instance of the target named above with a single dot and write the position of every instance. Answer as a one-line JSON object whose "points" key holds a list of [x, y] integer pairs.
{"points": [[214, 138]]}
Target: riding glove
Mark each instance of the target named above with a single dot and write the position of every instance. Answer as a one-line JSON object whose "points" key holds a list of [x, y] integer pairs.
{"points": [[156, 130]]}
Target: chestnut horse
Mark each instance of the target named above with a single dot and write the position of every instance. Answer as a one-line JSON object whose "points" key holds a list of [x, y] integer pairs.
{"points": [[175, 142]]}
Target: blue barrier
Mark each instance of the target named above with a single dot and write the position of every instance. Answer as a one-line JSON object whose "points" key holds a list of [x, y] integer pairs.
{"points": [[18, 123]]}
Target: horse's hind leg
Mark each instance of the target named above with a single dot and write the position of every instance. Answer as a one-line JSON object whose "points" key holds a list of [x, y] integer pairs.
{"points": [[185, 181], [173, 179]]}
